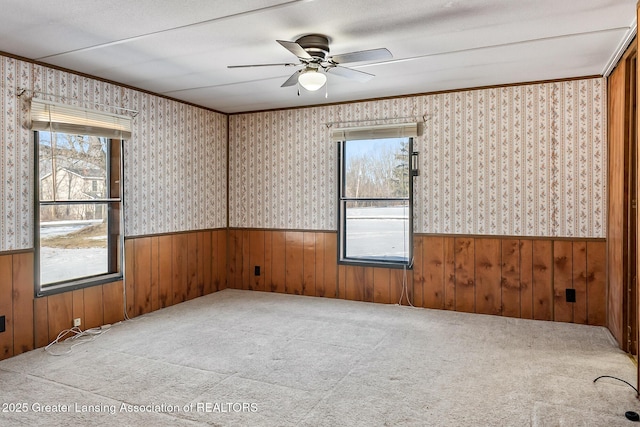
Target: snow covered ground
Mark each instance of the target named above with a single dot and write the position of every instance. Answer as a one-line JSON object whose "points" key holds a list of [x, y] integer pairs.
{"points": [[58, 264]]}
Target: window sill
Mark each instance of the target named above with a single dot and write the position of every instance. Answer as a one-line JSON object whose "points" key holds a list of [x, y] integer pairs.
{"points": [[72, 285], [399, 265]]}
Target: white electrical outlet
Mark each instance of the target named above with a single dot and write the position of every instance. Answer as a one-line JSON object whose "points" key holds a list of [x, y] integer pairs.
{"points": [[77, 322]]}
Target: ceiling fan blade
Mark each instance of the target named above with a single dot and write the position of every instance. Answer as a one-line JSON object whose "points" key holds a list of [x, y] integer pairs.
{"points": [[295, 48], [291, 80], [363, 55], [350, 73], [286, 64]]}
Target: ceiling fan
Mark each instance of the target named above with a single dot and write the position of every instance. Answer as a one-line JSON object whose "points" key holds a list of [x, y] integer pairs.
{"points": [[313, 53]]}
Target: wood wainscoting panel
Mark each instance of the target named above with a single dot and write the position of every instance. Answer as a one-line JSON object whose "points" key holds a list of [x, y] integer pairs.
{"points": [[580, 282], [113, 300], [78, 306], [142, 275], [154, 275], [168, 269], [6, 305], [200, 264], [294, 262], [194, 288], [354, 282], [245, 274], [465, 274], [60, 312], [526, 280], [235, 259], [418, 272], [508, 276], [396, 287], [165, 276], [23, 295], [381, 285], [488, 268], [562, 280], [596, 283], [256, 259], [543, 279], [449, 273], [432, 276], [220, 253], [330, 265], [368, 285], [93, 307], [179, 247], [129, 274], [319, 267], [206, 262], [341, 292], [309, 266], [278, 261], [510, 280], [513, 277], [40, 323], [268, 261]]}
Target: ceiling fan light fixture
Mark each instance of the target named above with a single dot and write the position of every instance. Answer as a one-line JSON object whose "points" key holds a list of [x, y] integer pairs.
{"points": [[312, 80]]}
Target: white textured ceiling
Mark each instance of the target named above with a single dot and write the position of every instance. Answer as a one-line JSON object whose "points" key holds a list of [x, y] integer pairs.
{"points": [[181, 48]]}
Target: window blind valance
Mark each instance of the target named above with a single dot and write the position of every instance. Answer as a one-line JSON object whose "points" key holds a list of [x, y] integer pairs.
{"points": [[54, 117], [403, 130]]}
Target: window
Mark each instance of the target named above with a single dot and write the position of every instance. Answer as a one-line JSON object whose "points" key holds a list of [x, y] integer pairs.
{"points": [[79, 225], [375, 201]]}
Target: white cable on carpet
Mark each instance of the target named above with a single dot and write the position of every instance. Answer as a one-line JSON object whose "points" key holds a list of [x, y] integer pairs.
{"points": [[78, 334]]}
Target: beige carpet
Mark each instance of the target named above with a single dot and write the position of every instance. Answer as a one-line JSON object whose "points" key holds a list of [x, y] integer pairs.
{"points": [[242, 358]]}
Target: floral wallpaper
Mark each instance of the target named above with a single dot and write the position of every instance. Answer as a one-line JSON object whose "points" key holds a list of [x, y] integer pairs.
{"points": [[16, 160], [175, 163], [282, 170], [525, 160]]}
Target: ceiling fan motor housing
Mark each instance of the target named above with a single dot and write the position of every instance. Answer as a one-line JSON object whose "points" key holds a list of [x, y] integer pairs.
{"points": [[316, 45]]}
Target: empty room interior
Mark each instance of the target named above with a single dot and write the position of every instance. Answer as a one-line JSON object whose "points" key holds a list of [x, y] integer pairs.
{"points": [[319, 213]]}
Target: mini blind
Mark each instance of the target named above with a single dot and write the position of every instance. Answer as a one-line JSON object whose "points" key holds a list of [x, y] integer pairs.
{"points": [[403, 130], [54, 117]]}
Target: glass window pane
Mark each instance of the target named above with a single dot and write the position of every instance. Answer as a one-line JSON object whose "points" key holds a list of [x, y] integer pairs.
{"points": [[377, 230], [376, 168], [73, 241], [45, 165], [72, 167]]}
